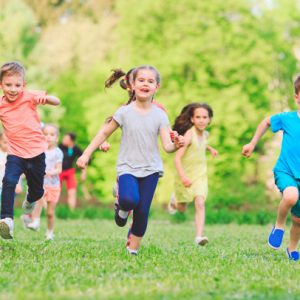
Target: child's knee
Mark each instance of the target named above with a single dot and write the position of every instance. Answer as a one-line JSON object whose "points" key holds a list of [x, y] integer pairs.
{"points": [[296, 220], [34, 195], [50, 214], [199, 203], [291, 196], [181, 207], [128, 202]]}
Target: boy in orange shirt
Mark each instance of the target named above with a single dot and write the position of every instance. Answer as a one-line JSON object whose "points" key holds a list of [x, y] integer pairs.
{"points": [[26, 142]]}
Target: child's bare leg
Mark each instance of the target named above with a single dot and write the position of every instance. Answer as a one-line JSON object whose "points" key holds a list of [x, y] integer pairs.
{"points": [[72, 198], [37, 209], [199, 215], [181, 207], [294, 234], [289, 199], [135, 242], [50, 215]]}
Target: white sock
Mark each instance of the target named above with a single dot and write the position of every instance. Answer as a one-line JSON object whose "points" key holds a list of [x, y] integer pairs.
{"points": [[123, 214]]}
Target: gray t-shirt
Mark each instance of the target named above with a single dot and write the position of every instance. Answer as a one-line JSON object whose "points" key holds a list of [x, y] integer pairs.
{"points": [[53, 157], [139, 152]]}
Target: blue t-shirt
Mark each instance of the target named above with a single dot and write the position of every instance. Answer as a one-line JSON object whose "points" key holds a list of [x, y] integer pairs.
{"points": [[289, 158]]}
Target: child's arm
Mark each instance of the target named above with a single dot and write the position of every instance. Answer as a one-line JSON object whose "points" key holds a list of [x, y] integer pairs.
{"points": [[105, 146], [178, 159], [100, 137], [260, 131], [212, 150], [166, 141], [47, 99], [57, 170]]}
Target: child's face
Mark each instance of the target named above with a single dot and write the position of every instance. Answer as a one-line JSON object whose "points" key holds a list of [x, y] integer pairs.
{"points": [[51, 135], [67, 141], [12, 86], [3, 143], [145, 84], [200, 119]]}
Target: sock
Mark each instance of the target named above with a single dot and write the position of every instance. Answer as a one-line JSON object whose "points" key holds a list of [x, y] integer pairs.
{"points": [[123, 214]]}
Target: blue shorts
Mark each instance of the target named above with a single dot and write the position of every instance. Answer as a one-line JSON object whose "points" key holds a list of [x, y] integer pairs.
{"points": [[284, 180]]}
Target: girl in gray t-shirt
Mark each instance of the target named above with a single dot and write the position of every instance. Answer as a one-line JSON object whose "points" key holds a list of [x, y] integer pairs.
{"points": [[139, 164]]}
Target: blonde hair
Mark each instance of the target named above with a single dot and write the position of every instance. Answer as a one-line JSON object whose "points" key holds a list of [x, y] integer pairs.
{"points": [[12, 68]]}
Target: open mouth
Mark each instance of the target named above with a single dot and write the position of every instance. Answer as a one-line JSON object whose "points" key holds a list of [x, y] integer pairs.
{"points": [[145, 90]]}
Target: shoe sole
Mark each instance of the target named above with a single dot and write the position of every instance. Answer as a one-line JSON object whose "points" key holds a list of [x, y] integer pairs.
{"points": [[203, 242], [274, 248], [4, 231]]}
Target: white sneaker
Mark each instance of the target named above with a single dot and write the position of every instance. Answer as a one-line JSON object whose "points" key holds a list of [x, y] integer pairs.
{"points": [[201, 240], [172, 204], [26, 219], [34, 225], [28, 207], [49, 235], [6, 228], [132, 251]]}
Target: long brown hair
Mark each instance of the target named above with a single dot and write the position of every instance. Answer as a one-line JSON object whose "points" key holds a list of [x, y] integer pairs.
{"points": [[183, 122]]}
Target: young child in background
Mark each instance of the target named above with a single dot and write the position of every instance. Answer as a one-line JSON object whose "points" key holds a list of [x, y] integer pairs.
{"points": [[71, 152], [191, 182], [26, 142], [139, 164], [54, 158], [286, 172]]}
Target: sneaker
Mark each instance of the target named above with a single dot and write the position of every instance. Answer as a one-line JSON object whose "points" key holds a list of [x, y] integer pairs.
{"points": [[275, 238], [201, 240], [34, 225], [294, 255], [28, 207], [49, 235], [132, 251], [121, 216], [172, 205], [6, 228], [26, 219]]}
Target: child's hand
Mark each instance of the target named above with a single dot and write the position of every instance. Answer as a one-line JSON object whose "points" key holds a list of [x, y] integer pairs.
{"points": [[214, 152], [179, 141], [41, 99], [173, 134], [247, 150], [104, 146], [18, 189], [186, 181], [82, 161]]}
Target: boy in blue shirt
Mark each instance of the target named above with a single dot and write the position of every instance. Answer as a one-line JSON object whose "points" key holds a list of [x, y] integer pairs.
{"points": [[286, 172]]}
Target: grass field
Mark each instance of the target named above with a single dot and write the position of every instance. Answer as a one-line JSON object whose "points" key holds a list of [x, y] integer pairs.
{"points": [[88, 260]]}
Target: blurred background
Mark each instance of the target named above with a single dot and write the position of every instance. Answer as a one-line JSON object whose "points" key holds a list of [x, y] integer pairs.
{"points": [[240, 56]]}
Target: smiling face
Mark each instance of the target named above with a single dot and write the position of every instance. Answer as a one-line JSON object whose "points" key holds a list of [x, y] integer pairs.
{"points": [[51, 135], [12, 86], [145, 85], [200, 118]]}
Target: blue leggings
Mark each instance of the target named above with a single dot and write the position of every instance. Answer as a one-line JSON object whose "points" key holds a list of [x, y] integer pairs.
{"points": [[136, 193]]}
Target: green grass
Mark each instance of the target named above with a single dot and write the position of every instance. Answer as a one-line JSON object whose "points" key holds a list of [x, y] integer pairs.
{"points": [[88, 260]]}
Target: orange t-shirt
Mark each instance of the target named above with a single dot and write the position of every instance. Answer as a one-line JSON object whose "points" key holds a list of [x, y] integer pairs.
{"points": [[22, 125]]}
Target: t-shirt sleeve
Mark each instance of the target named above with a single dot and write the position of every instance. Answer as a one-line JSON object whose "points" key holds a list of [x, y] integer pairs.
{"points": [[35, 93], [59, 156], [118, 116], [277, 122], [164, 120]]}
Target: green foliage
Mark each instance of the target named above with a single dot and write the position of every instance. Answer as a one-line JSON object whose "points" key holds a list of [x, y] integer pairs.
{"points": [[239, 56]]}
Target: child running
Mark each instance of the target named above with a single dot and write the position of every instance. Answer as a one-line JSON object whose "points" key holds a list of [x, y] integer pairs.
{"points": [[286, 172], [26, 142], [191, 182], [54, 158], [139, 164]]}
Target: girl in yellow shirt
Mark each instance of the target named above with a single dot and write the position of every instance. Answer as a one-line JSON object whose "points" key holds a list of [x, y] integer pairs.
{"points": [[190, 162]]}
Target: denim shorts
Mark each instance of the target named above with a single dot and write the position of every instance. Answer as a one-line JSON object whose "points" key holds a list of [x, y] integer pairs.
{"points": [[284, 180]]}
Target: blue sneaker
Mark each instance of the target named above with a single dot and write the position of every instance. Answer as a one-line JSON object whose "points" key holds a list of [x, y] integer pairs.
{"points": [[275, 238], [294, 255]]}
